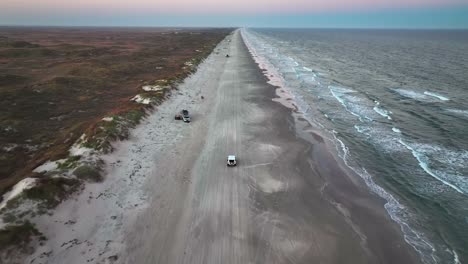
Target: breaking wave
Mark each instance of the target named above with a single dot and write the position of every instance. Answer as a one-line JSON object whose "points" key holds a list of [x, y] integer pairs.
{"points": [[421, 96], [438, 96]]}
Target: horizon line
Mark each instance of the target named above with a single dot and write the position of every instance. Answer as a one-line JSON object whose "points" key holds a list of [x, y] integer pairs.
{"points": [[229, 27]]}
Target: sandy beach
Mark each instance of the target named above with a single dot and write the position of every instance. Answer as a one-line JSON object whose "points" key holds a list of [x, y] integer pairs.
{"points": [[168, 196]]}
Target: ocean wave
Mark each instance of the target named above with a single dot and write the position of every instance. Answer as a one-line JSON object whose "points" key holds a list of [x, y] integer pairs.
{"points": [[309, 79], [456, 259], [353, 104], [411, 94], [379, 110], [421, 96], [362, 129], [344, 148], [445, 165], [294, 62], [449, 162], [438, 96], [381, 137], [395, 209], [459, 112]]}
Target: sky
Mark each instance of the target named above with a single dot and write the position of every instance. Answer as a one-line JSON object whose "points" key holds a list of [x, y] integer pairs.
{"points": [[239, 13]]}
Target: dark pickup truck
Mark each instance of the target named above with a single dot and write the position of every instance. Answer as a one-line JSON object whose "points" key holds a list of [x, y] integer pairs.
{"points": [[185, 116]]}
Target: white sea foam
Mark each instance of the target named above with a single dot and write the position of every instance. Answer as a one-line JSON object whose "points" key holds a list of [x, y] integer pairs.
{"points": [[438, 96], [307, 69], [411, 94], [308, 79], [396, 210], [423, 97], [362, 129], [381, 137], [341, 90], [353, 104], [379, 110], [396, 130], [344, 148], [456, 259], [293, 61], [423, 160]]}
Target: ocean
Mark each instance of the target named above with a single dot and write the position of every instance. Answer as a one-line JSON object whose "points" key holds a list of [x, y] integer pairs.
{"points": [[395, 104]]}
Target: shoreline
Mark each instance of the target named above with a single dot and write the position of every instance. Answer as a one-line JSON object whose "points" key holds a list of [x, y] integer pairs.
{"points": [[336, 147], [312, 134], [168, 196]]}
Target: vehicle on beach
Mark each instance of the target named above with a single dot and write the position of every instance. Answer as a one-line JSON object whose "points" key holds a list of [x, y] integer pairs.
{"points": [[231, 160], [183, 115]]}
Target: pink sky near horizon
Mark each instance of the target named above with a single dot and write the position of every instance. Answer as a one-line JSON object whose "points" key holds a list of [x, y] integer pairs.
{"points": [[217, 6]]}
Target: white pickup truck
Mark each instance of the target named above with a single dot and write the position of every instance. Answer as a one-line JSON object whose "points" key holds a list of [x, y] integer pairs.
{"points": [[231, 160]]}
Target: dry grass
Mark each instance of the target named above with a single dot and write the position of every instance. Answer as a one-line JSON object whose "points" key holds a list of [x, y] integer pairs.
{"points": [[57, 83]]}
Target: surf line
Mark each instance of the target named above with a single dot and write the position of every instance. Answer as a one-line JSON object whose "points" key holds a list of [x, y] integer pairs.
{"points": [[426, 168]]}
